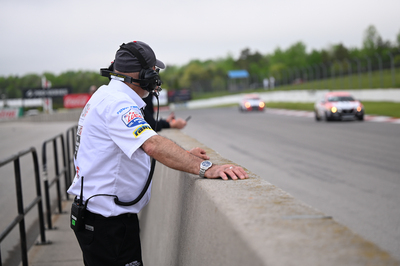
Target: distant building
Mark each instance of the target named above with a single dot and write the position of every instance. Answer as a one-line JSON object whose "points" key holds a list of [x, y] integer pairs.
{"points": [[238, 80]]}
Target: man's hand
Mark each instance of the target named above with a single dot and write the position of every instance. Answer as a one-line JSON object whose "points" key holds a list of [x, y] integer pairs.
{"points": [[199, 152], [170, 117], [177, 123], [226, 170]]}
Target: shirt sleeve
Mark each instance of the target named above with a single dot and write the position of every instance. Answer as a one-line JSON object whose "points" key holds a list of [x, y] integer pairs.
{"points": [[127, 127]]}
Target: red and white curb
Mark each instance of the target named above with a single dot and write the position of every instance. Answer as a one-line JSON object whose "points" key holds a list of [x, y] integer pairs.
{"points": [[369, 118], [387, 119]]}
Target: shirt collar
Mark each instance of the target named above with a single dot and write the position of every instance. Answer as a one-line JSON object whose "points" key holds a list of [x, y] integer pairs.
{"points": [[121, 86]]}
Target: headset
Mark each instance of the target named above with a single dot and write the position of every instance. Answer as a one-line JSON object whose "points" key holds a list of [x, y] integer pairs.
{"points": [[149, 79]]}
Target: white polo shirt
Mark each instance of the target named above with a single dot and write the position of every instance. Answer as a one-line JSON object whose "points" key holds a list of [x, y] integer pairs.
{"points": [[111, 130]]}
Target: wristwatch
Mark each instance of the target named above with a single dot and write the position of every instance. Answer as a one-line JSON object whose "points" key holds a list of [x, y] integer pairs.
{"points": [[204, 167]]}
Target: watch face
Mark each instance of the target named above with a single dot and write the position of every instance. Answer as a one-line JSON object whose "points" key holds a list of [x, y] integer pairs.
{"points": [[206, 163]]}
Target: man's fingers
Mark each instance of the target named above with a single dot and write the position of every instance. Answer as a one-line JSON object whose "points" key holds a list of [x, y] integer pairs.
{"points": [[231, 173], [223, 176], [234, 172], [205, 157], [242, 173], [226, 171]]}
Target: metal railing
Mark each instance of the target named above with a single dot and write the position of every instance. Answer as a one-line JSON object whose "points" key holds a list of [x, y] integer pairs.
{"points": [[56, 179], [20, 218], [67, 163]]}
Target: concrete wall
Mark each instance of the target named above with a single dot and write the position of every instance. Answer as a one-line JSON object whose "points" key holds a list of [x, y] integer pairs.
{"points": [[193, 221]]}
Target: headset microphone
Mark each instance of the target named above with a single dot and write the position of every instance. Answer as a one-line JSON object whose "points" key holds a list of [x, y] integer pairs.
{"points": [[150, 84]]}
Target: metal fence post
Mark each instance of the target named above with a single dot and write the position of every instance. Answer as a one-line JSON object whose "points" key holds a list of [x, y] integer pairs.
{"points": [[332, 68], [324, 73], [305, 76], [290, 80], [20, 206], [380, 68], [46, 186], [310, 71], [39, 195], [57, 172], [369, 71], [349, 73], [341, 79], [359, 72], [392, 68]]}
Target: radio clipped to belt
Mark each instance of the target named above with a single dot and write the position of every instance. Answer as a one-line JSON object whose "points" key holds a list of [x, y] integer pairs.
{"points": [[78, 212]]}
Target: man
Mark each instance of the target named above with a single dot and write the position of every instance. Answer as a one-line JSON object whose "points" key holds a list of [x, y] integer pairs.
{"points": [[112, 159], [170, 122]]}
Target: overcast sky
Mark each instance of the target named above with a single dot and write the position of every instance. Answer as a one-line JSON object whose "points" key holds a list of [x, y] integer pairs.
{"points": [[56, 36]]}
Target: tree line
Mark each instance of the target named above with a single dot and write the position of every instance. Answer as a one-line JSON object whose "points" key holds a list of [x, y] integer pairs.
{"points": [[211, 75]]}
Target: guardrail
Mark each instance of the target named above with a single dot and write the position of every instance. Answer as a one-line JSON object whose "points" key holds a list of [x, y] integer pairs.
{"points": [[20, 218], [56, 180]]}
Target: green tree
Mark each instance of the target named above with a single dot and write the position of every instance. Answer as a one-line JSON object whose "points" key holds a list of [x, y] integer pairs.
{"points": [[325, 56], [398, 40], [340, 52], [297, 55], [371, 40], [315, 57], [170, 77], [194, 77]]}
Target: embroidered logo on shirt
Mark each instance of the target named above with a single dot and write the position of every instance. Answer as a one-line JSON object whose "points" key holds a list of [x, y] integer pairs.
{"points": [[78, 139], [140, 130], [133, 117], [85, 111]]}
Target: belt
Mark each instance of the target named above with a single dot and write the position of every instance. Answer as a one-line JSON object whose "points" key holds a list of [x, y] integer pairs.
{"points": [[89, 214]]}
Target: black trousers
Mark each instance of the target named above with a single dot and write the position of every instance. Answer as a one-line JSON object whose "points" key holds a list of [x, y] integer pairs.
{"points": [[110, 241]]}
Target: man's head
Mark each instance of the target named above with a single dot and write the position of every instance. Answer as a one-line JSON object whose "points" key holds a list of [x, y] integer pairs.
{"points": [[127, 62], [138, 60]]}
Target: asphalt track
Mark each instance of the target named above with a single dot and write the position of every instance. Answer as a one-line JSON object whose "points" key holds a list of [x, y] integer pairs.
{"points": [[350, 170]]}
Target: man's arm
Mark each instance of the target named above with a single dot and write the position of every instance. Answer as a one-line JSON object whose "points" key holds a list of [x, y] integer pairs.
{"points": [[173, 156]]}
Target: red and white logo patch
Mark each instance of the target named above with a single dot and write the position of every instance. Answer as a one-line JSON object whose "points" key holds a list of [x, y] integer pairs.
{"points": [[133, 117]]}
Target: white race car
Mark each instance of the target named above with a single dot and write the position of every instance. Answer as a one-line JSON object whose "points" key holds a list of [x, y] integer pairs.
{"points": [[338, 106], [251, 102]]}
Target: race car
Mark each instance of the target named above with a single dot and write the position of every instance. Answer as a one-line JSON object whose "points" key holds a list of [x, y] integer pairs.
{"points": [[251, 102], [338, 106]]}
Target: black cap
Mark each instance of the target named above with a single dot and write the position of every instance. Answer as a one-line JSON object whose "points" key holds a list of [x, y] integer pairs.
{"points": [[127, 62]]}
